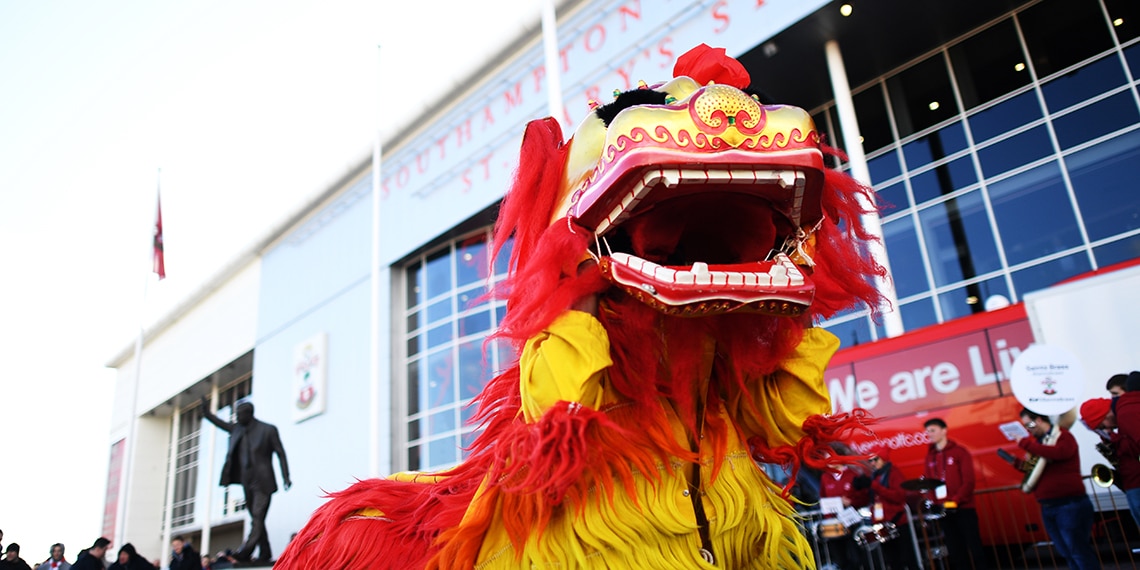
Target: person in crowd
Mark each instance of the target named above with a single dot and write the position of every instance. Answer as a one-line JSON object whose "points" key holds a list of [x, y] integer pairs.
{"points": [[840, 482], [1117, 422], [225, 559], [92, 558], [1116, 384], [56, 561], [889, 506], [950, 462], [129, 559], [12, 560], [1060, 490], [183, 556]]}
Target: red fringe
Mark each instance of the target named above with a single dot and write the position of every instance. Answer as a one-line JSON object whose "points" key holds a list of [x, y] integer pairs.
{"points": [[413, 515], [814, 449]]}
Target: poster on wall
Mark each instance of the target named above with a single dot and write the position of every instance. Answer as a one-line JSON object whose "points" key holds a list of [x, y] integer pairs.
{"points": [[309, 377]]}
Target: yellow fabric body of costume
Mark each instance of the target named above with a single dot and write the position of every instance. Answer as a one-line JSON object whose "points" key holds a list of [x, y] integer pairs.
{"points": [[655, 525]]}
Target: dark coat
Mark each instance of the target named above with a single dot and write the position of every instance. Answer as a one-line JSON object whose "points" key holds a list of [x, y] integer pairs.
{"points": [[87, 562], [17, 564], [190, 559], [256, 468]]}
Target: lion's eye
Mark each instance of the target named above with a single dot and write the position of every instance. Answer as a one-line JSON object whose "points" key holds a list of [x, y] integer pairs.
{"points": [[631, 98]]}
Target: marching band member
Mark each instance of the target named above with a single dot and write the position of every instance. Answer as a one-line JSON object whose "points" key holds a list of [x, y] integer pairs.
{"points": [[1059, 489]]}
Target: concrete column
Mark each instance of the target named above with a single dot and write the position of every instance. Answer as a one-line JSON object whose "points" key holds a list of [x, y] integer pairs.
{"points": [[857, 161]]}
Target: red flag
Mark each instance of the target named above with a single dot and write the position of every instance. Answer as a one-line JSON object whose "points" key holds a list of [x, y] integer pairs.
{"points": [[159, 262]]}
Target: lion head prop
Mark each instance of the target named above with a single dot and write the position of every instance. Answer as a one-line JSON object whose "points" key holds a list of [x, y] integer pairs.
{"points": [[667, 263]]}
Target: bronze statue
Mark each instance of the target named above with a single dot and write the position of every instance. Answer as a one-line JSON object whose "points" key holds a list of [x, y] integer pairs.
{"points": [[249, 462]]}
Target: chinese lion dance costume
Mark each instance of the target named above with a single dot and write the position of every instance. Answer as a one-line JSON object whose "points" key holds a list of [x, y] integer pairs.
{"points": [[667, 263]]}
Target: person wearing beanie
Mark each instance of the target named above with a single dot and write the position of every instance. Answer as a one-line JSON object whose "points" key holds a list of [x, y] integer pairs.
{"points": [[1117, 422], [953, 464], [12, 560], [129, 559]]}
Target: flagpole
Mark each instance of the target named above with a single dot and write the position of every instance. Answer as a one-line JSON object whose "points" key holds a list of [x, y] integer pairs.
{"points": [[132, 430], [375, 324], [553, 71]]}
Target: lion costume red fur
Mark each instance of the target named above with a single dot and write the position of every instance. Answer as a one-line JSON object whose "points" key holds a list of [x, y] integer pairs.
{"points": [[666, 266]]}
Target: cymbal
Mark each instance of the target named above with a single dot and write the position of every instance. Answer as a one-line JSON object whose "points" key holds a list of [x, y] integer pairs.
{"points": [[921, 484]]}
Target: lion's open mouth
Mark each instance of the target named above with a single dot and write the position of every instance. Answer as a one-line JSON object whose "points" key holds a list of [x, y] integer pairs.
{"points": [[702, 239], [698, 201]]}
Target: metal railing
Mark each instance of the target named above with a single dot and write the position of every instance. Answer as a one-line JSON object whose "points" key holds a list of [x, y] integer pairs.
{"points": [[1010, 525]]}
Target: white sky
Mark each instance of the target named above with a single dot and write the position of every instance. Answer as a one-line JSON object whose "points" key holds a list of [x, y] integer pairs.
{"points": [[250, 108]]}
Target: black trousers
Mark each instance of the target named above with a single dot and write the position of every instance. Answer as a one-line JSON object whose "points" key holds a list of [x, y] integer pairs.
{"points": [[963, 541], [257, 504]]}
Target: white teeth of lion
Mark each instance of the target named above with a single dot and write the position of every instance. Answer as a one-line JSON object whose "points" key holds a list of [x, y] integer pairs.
{"points": [[700, 269]]}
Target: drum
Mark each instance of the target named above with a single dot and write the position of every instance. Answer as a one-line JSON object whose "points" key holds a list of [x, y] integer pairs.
{"points": [[878, 533], [830, 528], [932, 510]]}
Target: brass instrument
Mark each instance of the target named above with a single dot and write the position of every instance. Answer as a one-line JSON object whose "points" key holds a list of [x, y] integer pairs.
{"points": [[1103, 475], [1035, 464]]}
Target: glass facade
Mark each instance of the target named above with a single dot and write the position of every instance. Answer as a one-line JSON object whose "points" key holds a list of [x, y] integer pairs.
{"points": [[448, 316], [1004, 161]]}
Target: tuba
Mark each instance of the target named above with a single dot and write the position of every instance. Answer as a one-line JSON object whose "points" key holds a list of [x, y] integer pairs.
{"points": [[1036, 465]]}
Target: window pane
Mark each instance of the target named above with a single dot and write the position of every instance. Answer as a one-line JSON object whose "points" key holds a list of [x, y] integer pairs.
{"points": [[959, 240], [414, 458], [471, 265], [440, 389], [1047, 274], [884, 167], [1132, 54], [1126, 249], [1125, 18], [1005, 117], [443, 451], [475, 323], [439, 335], [439, 273], [415, 284], [943, 179], [1060, 33], [413, 387], [892, 198], [971, 298], [441, 422], [414, 345], [1084, 83], [473, 298], [473, 369], [918, 314], [413, 430], [921, 96], [1099, 119], [874, 125], [413, 321], [1015, 151], [504, 257], [1104, 178], [986, 65], [939, 144], [851, 333], [1034, 215], [904, 256], [439, 310]]}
